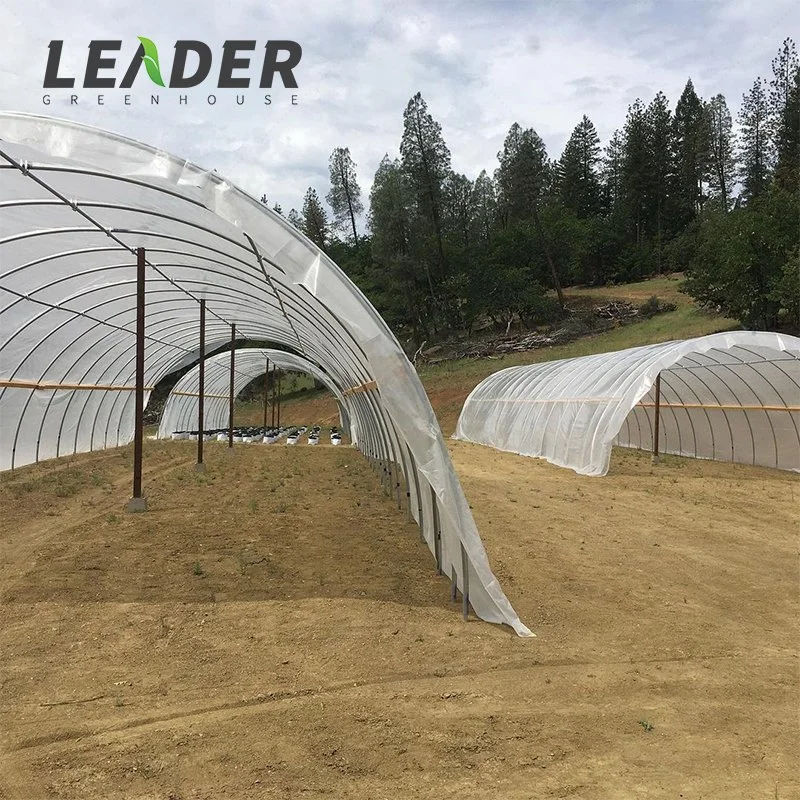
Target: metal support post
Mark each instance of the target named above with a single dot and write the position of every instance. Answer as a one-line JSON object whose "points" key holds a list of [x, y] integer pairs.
{"points": [[464, 582], [266, 390], [230, 395], [437, 532], [138, 502], [201, 390], [657, 418]]}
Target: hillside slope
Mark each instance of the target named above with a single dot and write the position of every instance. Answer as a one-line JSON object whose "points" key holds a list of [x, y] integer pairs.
{"points": [[449, 382]]}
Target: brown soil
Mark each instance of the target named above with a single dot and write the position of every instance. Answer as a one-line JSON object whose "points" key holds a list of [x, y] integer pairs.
{"points": [[273, 628]]}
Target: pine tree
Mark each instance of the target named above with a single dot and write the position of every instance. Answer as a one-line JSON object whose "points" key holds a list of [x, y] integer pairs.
{"points": [[390, 211], [400, 275], [636, 177], [662, 167], [612, 170], [277, 209], [345, 194], [426, 163], [784, 77], [691, 151], [578, 182], [755, 151], [295, 219], [484, 203], [722, 162], [784, 108], [788, 141], [315, 220], [391, 205], [523, 173], [522, 177], [457, 192]]}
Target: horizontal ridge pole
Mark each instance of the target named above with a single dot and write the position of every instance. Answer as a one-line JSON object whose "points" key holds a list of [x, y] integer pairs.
{"points": [[72, 387]]}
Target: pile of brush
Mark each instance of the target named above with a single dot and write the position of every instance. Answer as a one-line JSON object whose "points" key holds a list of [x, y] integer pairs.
{"points": [[616, 309]]}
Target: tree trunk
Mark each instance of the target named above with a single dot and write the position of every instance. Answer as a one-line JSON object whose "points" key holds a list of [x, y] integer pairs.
{"points": [[428, 275], [658, 237], [321, 235], [548, 255], [349, 204], [723, 186]]}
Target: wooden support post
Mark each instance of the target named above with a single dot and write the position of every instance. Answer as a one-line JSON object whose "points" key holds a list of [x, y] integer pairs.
{"points": [[230, 391], [138, 502], [266, 391], [201, 390], [657, 418]]}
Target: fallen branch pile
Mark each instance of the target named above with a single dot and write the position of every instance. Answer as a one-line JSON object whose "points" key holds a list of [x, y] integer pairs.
{"points": [[503, 345], [602, 317], [616, 309]]}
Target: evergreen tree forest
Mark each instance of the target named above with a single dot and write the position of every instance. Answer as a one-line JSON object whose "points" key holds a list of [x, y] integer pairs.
{"points": [[675, 189]]}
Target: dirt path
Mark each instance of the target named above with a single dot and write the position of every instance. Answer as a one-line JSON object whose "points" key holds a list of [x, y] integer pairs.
{"points": [[273, 628], [99, 478]]}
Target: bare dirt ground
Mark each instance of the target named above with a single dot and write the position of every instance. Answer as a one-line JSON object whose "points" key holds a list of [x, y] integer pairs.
{"points": [[274, 628]]}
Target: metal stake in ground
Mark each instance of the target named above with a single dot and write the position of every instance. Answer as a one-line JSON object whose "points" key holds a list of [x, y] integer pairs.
{"points": [[200, 466], [138, 502], [230, 398]]}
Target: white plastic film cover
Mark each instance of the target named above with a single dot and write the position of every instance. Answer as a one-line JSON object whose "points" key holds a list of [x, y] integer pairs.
{"points": [[729, 396], [75, 203]]}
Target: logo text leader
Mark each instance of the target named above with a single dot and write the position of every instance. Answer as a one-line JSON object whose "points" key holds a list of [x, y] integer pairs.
{"points": [[191, 64]]}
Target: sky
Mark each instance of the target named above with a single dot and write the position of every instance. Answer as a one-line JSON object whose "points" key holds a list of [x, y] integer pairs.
{"points": [[480, 65]]}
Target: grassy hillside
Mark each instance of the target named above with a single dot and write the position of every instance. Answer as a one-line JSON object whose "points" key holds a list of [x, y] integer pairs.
{"points": [[449, 383]]}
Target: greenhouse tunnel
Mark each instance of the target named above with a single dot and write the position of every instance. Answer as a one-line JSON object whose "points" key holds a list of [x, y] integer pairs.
{"points": [[78, 204], [728, 396], [181, 409]]}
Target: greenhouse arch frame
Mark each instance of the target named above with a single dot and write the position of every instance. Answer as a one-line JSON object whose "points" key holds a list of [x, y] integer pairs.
{"points": [[728, 396], [76, 206]]}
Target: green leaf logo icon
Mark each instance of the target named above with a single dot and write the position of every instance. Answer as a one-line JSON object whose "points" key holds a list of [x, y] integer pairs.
{"points": [[150, 59]]}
